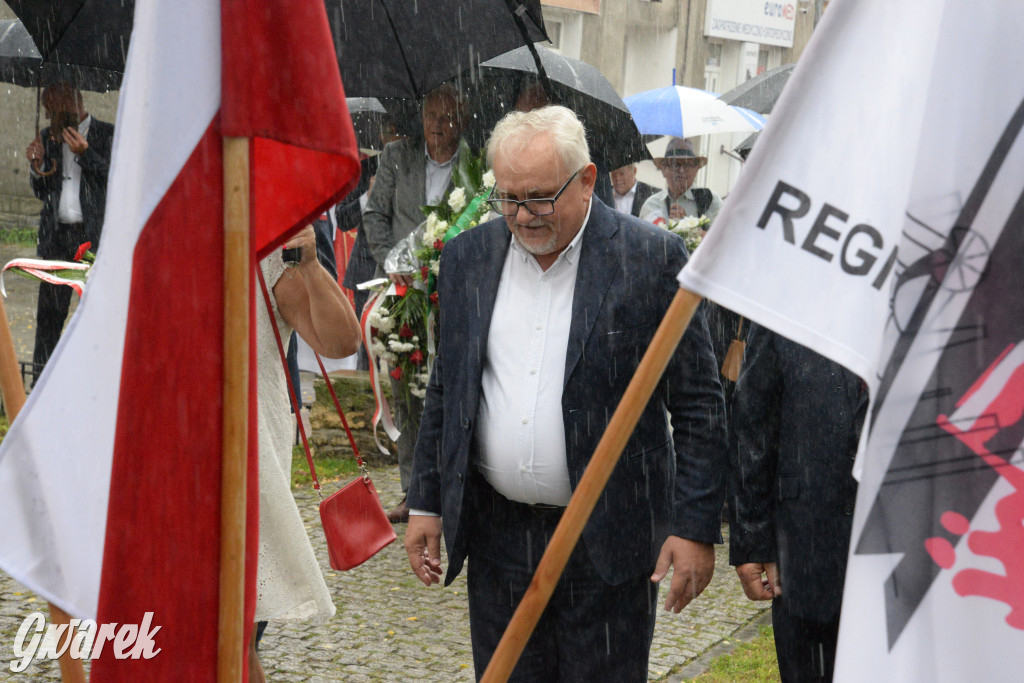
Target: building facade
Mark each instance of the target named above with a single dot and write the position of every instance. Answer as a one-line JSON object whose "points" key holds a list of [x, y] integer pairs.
{"points": [[710, 44]]}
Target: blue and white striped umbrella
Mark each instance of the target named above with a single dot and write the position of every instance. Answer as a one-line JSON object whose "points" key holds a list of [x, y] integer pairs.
{"points": [[687, 112]]}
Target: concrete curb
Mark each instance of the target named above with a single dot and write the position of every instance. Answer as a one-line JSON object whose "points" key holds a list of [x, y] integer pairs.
{"points": [[702, 663]]}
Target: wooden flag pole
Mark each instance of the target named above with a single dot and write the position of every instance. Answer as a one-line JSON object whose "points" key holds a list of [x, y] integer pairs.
{"points": [[594, 479], [12, 388], [231, 645]]}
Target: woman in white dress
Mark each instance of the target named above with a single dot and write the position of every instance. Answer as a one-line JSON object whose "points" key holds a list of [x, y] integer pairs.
{"points": [[305, 298]]}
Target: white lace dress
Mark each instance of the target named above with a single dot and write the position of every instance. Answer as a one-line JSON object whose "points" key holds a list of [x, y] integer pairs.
{"points": [[289, 584]]}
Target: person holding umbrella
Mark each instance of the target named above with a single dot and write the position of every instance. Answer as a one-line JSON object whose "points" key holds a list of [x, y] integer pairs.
{"points": [[679, 200], [412, 173], [69, 161]]}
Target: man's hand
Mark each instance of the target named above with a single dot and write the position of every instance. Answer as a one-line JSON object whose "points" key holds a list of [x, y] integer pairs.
{"points": [[693, 565], [760, 581], [35, 151], [74, 140], [423, 544], [400, 279], [675, 212]]}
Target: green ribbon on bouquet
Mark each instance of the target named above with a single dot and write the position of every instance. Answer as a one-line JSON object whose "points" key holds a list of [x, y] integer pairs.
{"points": [[471, 213]]}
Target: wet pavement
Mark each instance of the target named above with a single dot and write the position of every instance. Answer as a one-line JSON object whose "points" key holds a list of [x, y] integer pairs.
{"points": [[389, 627]]}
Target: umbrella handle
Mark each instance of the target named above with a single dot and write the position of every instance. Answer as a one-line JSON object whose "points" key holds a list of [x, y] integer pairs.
{"points": [[37, 168]]}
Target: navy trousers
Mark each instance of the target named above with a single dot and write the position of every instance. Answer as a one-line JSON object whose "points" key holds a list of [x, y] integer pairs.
{"points": [[591, 631], [806, 649]]}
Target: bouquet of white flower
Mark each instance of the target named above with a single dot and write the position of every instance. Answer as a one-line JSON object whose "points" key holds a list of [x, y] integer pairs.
{"points": [[690, 228]]}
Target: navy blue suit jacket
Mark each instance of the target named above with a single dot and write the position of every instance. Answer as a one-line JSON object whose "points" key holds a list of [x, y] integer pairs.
{"points": [[665, 483], [795, 423]]}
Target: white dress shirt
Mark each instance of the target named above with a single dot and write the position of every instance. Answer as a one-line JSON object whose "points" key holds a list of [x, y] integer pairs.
{"points": [[70, 208], [438, 177], [520, 435], [624, 202]]}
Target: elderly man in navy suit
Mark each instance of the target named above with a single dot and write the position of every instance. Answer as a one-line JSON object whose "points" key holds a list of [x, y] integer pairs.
{"points": [[541, 331]]}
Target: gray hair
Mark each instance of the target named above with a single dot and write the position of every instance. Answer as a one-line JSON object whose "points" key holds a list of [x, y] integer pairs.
{"points": [[517, 129], [446, 89]]}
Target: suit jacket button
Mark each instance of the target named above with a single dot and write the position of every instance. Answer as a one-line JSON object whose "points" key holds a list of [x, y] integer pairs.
{"points": [[847, 509], [459, 477], [465, 423]]}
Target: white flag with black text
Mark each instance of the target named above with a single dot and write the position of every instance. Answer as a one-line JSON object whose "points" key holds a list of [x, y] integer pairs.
{"points": [[880, 222]]}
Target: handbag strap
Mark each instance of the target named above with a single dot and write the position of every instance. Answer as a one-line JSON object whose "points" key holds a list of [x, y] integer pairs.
{"points": [[739, 328], [341, 414], [293, 395]]}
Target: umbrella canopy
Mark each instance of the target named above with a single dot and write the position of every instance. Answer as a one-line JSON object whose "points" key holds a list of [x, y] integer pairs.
{"points": [[86, 33], [687, 112], [760, 94], [21, 64], [401, 48], [611, 133]]}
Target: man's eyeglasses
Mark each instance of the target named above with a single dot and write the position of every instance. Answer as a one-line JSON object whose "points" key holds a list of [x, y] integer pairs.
{"points": [[538, 207]]}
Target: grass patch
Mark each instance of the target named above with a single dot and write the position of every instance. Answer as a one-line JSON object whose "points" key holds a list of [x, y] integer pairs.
{"points": [[327, 468], [25, 237], [752, 662]]}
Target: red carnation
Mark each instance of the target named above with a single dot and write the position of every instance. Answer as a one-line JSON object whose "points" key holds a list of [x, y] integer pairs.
{"points": [[438, 244], [405, 332], [397, 373], [81, 251], [416, 357], [433, 297], [424, 272]]}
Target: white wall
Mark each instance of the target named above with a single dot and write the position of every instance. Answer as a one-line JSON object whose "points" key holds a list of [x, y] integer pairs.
{"points": [[649, 59]]}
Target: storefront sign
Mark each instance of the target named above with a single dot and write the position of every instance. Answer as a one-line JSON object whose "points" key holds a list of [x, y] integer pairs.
{"points": [[769, 22]]}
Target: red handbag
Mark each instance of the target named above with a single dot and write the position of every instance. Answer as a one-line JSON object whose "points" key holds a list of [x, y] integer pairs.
{"points": [[354, 522]]}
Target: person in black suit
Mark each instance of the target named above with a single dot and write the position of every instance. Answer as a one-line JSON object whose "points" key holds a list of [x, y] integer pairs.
{"points": [[541, 332], [349, 213], [628, 192], [69, 164], [795, 424]]}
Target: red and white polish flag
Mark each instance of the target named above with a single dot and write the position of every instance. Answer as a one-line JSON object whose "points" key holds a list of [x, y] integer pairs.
{"points": [[110, 477]]}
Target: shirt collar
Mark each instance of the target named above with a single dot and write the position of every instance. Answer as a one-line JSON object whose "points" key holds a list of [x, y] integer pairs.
{"points": [[624, 194], [686, 195], [447, 164]]}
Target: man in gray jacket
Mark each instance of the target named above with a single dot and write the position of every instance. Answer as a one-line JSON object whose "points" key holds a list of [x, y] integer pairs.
{"points": [[412, 173]]}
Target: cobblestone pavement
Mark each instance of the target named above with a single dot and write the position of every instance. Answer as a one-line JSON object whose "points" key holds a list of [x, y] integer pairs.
{"points": [[389, 627]]}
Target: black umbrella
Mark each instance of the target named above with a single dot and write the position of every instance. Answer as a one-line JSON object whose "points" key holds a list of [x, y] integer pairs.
{"points": [[21, 64], [86, 33], [759, 94], [405, 48], [613, 137]]}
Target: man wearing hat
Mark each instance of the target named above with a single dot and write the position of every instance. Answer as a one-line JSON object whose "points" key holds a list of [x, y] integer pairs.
{"points": [[679, 166]]}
